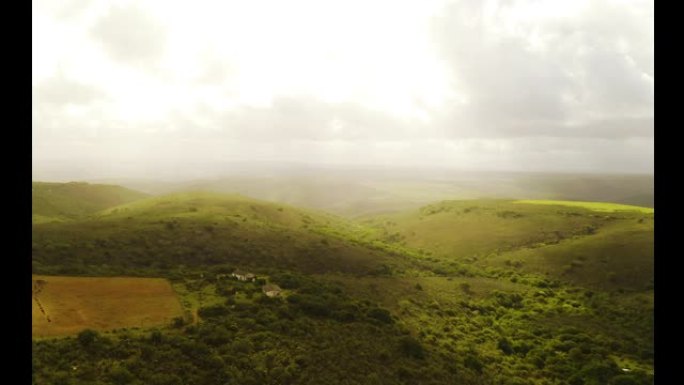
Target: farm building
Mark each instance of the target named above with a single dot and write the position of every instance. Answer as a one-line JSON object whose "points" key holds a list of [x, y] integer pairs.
{"points": [[244, 276], [271, 290]]}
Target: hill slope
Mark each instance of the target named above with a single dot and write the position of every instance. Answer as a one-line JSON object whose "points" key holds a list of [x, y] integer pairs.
{"points": [[65, 201], [198, 229], [468, 292], [568, 242], [355, 192]]}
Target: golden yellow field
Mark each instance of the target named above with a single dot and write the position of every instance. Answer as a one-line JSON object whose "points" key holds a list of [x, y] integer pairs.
{"points": [[67, 305]]}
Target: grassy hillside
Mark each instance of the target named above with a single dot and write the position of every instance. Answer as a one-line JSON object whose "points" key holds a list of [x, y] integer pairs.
{"points": [[617, 256], [467, 292], [64, 201], [339, 194], [593, 206], [471, 228], [202, 229], [581, 242], [370, 191]]}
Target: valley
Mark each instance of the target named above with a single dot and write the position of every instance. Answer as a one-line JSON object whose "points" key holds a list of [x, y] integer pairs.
{"points": [[475, 291]]}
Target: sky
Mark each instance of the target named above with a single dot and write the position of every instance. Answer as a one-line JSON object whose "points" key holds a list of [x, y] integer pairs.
{"points": [[149, 88]]}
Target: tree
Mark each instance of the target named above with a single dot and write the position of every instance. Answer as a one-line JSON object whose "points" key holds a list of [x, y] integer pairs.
{"points": [[87, 337]]}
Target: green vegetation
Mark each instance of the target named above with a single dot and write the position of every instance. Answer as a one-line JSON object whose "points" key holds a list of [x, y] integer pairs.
{"points": [[153, 235], [56, 202], [382, 191], [470, 292], [594, 206], [498, 237]]}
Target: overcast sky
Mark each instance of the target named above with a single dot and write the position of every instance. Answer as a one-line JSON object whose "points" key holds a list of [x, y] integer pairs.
{"points": [[142, 88]]}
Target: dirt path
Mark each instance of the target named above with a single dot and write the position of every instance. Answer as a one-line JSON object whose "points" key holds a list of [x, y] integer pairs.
{"points": [[37, 288]]}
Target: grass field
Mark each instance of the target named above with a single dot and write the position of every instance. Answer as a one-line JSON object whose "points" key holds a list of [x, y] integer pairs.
{"points": [[72, 304], [594, 206]]}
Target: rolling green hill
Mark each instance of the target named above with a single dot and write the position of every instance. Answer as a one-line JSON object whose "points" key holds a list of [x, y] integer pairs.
{"points": [[353, 193], [467, 292], [618, 255], [203, 229], [594, 244], [593, 206], [64, 201]]}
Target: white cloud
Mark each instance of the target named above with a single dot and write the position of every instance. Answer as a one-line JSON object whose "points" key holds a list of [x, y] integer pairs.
{"points": [[462, 83]]}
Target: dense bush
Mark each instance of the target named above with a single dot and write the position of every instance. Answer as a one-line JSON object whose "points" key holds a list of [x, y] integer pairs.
{"points": [[411, 347]]}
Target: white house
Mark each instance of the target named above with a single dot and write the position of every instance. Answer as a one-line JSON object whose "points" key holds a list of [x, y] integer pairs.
{"points": [[244, 276]]}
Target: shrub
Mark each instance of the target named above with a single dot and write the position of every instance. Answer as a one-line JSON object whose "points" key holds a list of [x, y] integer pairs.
{"points": [[120, 375], [178, 322], [87, 337], [509, 300], [411, 347], [505, 346], [213, 311], [288, 281], [381, 315], [472, 362], [624, 379], [156, 337]]}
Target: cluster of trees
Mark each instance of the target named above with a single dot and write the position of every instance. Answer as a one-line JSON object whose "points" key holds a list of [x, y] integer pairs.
{"points": [[525, 338], [318, 332], [153, 248], [320, 335]]}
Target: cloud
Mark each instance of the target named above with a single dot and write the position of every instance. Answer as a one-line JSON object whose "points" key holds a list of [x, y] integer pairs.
{"points": [[131, 36], [214, 71], [62, 91], [468, 83], [305, 117], [65, 9], [561, 76]]}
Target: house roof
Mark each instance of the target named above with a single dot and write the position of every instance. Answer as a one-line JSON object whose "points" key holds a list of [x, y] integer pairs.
{"points": [[271, 287]]}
